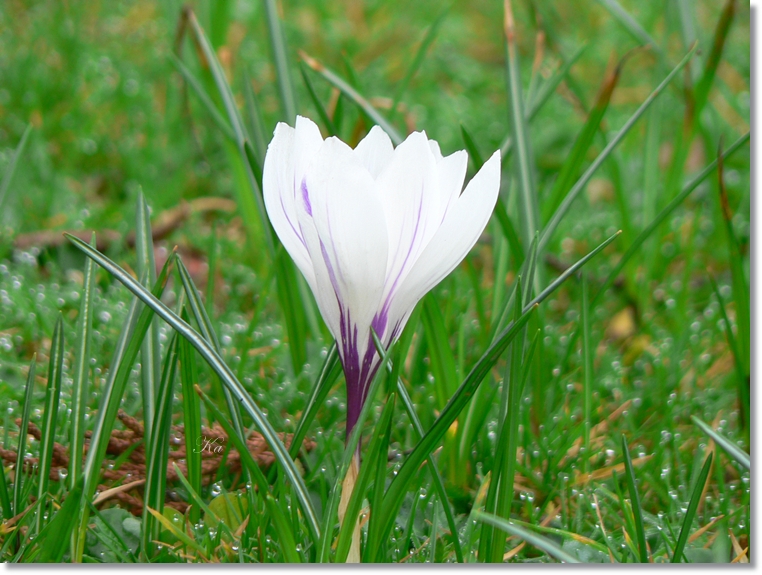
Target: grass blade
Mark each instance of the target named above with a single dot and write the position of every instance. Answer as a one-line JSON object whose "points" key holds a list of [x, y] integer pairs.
{"points": [[519, 133], [220, 368], [53, 541], [280, 59], [150, 352], [353, 95], [5, 184], [157, 450], [582, 144], [637, 512], [730, 448], [326, 119], [442, 360], [538, 541], [19, 501], [698, 489], [191, 417], [79, 392], [52, 395], [587, 353], [559, 214]]}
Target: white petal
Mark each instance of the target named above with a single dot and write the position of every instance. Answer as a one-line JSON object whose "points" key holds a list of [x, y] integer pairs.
{"points": [[345, 232], [409, 190], [452, 172], [458, 233], [435, 150], [374, 151], [278, 190]]}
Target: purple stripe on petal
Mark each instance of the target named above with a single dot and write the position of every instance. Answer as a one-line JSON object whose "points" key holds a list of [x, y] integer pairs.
{"points": [[306, 197]]}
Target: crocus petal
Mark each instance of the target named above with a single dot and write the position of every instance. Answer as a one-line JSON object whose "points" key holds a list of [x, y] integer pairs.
{"points": [[348, 247], [287, 158], [452, 172], [461, 228], [374, 151]]}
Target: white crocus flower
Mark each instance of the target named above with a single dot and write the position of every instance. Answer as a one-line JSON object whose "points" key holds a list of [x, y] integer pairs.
{"points": [[372, 229]]}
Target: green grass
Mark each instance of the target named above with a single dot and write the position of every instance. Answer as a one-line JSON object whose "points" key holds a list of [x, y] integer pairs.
{"points": [[605, 418]]}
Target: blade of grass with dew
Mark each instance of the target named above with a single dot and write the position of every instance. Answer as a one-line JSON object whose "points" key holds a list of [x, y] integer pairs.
{"points": [[113, 541], [689, 188], [562, 210], [460, 399], [54, 539], [422, 450], [5, 183], [188, 541], [280, 523], [573, 164], [125, 353], [587, 355], [207, 331], [417, 60], [328, 375], [324, 117], [285, 535], [157, 449], [150, 352], [519, 133], [742, 379], [217, 364], [491, 545], [698, 489], [79, 389], [350, 449], [375, 454], [735, 452], [280, 60], [5, 496], [442, 360], [353, 95], [538, 541], [19, 502], [637, 511], [50, 418], [191, 417], [409, 406]]}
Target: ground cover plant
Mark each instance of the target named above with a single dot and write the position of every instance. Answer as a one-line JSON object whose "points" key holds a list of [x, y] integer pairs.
{"points": [[576, 390]]}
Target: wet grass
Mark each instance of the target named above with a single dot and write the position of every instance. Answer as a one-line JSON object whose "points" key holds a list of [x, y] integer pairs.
{"points": [[576, 430]]}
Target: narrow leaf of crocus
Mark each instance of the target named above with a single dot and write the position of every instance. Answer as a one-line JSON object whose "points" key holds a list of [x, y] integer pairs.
{"points": [[349, 453], [407, 402], [220, 368], [328, 375], [18, 500], [698, 489], [562, 210], [52, 395], [637, 512], [373, 457], [442, 360], [10, 170], [730, 448], [538, 541], [79, 395], [353, 95], [157, 450], [191, 417], [150, 350]]}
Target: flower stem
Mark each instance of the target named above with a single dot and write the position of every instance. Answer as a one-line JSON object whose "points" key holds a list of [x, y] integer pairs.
{"points": [[347, 488]]}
